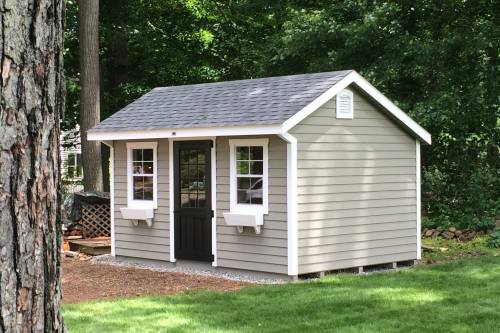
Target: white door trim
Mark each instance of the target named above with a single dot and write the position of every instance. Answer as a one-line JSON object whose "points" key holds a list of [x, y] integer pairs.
{"points": [[213, 193]]}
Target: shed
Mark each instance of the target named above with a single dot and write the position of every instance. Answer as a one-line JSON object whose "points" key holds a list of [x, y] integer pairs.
{"points": [[290, 175]]}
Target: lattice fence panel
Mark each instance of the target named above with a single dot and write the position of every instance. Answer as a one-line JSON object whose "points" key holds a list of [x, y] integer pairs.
{"points": [[96, 220]]}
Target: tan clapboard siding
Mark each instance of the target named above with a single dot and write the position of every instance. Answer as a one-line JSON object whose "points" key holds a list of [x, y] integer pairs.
{"points": [[142, 241], [355, 262], [353, 221], [355, 196], [267, 251], [356, 189], [353, 246], [253, 266], [145, 254]]}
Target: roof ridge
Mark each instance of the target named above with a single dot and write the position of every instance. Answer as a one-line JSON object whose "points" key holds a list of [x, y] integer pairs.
{"points": [[335, 73]]}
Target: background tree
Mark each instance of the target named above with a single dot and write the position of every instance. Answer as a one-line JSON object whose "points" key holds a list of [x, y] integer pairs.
{"points": [[90, 92], [31, 103], [439, 61]]}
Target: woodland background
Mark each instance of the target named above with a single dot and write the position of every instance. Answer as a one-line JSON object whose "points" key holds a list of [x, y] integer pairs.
{"points": [[438, 60]]}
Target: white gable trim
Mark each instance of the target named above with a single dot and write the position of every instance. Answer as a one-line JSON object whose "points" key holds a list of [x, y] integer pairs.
{"points": [[363, 84]]}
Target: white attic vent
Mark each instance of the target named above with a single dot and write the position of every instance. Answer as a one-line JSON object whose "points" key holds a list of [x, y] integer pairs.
{"points": [[345, 109]]}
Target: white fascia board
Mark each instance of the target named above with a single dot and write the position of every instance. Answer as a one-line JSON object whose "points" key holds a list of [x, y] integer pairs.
{"points": [[184, 132], [369, 89]]}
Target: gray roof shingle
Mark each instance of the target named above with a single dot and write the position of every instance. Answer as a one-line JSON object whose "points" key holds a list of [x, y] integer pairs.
{"points": [[265, 101]]}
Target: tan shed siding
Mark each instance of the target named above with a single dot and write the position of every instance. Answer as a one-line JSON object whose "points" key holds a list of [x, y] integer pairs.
{"points": [[142, 241], [356, 189], [267, 251]]}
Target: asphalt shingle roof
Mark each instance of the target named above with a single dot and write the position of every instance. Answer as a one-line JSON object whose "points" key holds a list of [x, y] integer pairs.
{"points": [[265, 101]]}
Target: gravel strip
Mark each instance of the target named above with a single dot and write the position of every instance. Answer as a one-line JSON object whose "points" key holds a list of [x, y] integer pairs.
{"points": [[201, 270]]}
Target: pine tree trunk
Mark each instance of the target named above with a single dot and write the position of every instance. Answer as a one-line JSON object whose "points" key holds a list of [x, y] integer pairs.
{"points": [[89, 94], [31, 103]]}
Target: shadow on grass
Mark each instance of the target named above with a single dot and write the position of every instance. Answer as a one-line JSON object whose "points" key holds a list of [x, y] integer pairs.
{"points": [[457, 297]]}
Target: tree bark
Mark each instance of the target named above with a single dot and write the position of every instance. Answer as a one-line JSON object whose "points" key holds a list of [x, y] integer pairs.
{"points": [[31, 103], [89, 94]]}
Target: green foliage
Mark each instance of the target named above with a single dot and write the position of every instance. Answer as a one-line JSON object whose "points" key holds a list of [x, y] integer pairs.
{"points": [[439, 61], [494, 240]]}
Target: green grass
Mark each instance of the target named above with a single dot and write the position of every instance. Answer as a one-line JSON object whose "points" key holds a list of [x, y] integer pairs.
{"points": [[462, 296]]}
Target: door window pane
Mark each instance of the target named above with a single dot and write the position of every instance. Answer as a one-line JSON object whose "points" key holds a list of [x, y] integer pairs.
{"points": [[192, 166]]}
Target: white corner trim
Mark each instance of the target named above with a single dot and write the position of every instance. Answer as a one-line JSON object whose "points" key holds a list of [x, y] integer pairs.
{"points": [[213, 169], [292, 212], [130, 198], [192, 133], [419, 200], [240, 208], [112, 195], [171, 198], [338, 113], [364, 85]]}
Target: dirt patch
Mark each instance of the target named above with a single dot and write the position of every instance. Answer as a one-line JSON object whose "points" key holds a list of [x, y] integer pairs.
{"points": [[83, 281]]}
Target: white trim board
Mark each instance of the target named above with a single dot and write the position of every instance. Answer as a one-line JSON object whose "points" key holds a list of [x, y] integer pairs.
{"points": [[213, 169], [184, 133], [291, 197], [419, 200], [171, 198], [112, 194]]}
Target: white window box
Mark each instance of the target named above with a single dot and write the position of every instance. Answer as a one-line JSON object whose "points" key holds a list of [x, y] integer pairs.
{"points": [[240, 220], [136, 214]]}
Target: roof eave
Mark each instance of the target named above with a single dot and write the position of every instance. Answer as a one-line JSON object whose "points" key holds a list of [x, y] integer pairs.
{"points": [[144, 134]]}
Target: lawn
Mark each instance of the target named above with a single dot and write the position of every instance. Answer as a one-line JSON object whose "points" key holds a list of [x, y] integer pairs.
{"points": [[461, 296]]}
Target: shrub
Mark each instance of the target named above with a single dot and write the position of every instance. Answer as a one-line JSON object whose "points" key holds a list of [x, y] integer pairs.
{"points": [[494, 240], [468, 202]]}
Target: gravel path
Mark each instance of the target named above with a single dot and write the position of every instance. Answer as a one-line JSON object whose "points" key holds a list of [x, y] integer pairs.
{"points": [[196, 269]]}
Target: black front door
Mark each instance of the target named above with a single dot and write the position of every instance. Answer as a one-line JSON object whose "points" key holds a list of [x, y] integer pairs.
{"points": [[192, 200]]}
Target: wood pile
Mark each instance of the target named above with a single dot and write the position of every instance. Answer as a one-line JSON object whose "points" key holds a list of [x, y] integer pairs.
{"points": [[452, 233]]}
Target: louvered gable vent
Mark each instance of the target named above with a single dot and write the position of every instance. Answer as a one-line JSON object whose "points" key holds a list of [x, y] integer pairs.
{"points": [[345, 105]]}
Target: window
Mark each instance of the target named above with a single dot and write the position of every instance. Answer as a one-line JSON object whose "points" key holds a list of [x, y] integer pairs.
{"points": [[74, 166], [142, 174], [344, 105], [192, 169], [248, 179]]}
